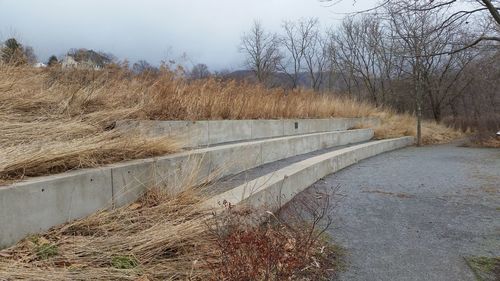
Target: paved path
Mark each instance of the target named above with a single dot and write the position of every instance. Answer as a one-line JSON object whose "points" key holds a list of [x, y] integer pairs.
{"points": [[413, 214]]}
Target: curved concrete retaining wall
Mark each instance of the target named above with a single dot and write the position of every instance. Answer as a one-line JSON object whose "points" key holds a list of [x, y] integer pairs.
{"points": [[277, 188], [201, 133], [38, 204]]}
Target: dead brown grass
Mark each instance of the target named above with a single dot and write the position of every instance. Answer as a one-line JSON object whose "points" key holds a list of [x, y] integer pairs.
{"points": [[481, 129], [49, 127], [396, 125], [482, 142], [161, 237], [493, 142], [55, 120]]}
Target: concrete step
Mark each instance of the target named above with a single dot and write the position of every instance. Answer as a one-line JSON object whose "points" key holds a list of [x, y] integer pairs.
{"points": [[272, 187], [40, 203], [210, 132], [229, 182]]}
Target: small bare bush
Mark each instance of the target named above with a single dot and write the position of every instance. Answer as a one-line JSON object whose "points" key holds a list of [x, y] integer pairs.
{"points": [[482, 129], [293, 247]]}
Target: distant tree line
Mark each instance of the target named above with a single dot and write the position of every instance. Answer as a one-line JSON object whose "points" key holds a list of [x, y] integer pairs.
{"points": [[411, 55], [14, 53]]}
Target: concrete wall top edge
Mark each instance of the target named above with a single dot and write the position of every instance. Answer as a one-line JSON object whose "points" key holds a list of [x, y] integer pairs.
{"points": [[253, 142], [56, 177], [245, 120]]}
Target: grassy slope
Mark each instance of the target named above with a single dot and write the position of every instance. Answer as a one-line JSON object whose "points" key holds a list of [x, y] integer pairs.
{"points": [[53, 120]]}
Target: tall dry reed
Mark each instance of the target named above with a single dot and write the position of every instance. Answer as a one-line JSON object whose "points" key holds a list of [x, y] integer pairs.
{"points": [[66, 117]]}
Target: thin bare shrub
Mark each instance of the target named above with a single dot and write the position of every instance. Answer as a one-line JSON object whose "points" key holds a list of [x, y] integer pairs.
{"points": [[294, 246], [482, 129]]}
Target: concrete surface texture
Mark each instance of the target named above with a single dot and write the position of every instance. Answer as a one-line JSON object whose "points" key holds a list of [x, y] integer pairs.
{"points": [[229, 182], [201, 133], [415, 213], [276, 188], [40, 203], [174, 171]]}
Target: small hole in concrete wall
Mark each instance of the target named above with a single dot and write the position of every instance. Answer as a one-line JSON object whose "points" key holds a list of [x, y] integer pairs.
{"points": [[296, 125], [128, 172], [43, 189], [91, 179]]}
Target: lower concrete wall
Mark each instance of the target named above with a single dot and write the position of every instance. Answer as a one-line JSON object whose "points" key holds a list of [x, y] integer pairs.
{"points": [[38, 204], [131, 180], [202, 133], [277, 188]]}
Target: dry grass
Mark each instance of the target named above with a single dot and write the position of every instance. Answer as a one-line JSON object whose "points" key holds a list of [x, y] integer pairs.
{"points": [[493, 142], [397, 125], [481, 129], [54, 120], [482, 141], [171, 238], [50, 127], [160, 237]]}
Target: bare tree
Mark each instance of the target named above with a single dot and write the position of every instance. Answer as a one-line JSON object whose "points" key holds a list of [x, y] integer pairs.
{"points": [[445, 51], [363, 51], [29, 52], [262, 52], [297, 38], [427, 46], [459, 15], [338, 55], [316, 58], [414, 30], [443, 76], [461, 11], [144, 67], [200, 71]]}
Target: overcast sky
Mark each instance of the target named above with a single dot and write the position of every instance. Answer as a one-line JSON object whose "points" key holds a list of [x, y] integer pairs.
{"points": [[208, 31]]}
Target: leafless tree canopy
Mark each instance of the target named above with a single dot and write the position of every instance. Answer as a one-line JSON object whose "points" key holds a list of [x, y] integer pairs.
{"points": [[200, 71], [261, 51], [296, 39], [425, 57], [482, 15]]}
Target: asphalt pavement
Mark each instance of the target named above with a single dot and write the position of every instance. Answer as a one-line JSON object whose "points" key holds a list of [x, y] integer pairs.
{"points": [[416, 213]]}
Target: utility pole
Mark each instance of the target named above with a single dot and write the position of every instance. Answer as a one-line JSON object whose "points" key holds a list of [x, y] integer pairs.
{"points": [[417, 72]]}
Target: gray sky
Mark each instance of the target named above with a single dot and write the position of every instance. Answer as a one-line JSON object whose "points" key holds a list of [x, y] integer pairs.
{"points": [[208, 31]]}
